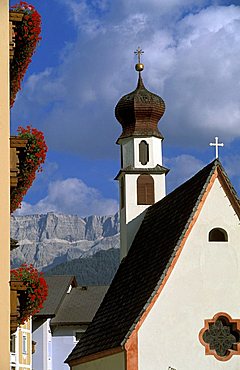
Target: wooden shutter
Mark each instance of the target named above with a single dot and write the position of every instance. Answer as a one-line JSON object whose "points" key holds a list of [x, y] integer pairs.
{"points": [[145, 189], [143, 152]]}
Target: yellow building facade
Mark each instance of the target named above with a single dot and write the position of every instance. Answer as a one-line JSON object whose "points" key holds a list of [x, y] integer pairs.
{"points": [[4, 187], [21, 348]]}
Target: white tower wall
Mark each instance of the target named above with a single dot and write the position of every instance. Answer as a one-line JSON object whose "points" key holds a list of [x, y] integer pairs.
{"points": [[130, 152], [131, 214]]}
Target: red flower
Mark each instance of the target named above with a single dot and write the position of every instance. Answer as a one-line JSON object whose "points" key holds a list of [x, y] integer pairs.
{"points": [[31, 300], [34, 157], [27, 37]]}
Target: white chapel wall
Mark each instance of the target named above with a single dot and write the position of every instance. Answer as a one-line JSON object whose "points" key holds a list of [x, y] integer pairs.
{"points": [[204, 281]]}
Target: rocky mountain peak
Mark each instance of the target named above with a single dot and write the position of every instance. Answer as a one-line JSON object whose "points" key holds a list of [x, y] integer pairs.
{"points": [[49, 239]]}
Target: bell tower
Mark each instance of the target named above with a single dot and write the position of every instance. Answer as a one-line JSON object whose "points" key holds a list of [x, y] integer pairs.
{"points": [[142, 176]]}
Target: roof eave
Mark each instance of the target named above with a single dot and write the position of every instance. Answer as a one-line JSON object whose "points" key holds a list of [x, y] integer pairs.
{"points": [[229, 189], [95, 356]]}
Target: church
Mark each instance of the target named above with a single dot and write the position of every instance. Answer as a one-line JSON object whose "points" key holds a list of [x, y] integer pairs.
{"points": [[173, 303]]}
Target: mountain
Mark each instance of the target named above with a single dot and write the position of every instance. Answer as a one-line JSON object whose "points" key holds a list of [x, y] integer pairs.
{"points": [[96, 270], [51, 239]]}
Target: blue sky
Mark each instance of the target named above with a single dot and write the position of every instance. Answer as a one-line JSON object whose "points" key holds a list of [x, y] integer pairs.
{"points": [[85, 63]]}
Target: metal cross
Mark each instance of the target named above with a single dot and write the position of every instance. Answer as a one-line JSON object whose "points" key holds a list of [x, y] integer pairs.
{"points": [[216, 144], [139, 52]]}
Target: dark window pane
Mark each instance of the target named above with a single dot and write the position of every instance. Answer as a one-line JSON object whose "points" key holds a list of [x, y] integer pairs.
{"points": [[218, 235]]}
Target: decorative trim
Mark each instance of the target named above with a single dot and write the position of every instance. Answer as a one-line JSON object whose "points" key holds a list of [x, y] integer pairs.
{"points": [[147, 171], [212, 351], [131, 348], [229, 190]]}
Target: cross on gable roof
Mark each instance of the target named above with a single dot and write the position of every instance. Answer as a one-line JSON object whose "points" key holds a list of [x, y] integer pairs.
{"points": [[142, 272]]}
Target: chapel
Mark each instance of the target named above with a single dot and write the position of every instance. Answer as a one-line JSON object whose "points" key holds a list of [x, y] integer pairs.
{"points": [[173, 303]]}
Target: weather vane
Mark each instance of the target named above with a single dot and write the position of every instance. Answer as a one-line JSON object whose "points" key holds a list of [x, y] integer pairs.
{"points": [[216, 144], [139, 66]]}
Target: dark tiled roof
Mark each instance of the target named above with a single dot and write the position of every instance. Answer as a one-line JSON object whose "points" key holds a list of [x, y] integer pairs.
{"points": [[80, 305], [57, 289], [141, 272]]}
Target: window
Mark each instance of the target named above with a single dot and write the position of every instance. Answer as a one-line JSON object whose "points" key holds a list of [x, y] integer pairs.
{"points": [[13, 343], [221, 336], [24, 344], [218, 235], [143, 152], [145, 189]]}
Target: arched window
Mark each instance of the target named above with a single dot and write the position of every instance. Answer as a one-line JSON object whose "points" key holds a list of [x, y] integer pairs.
{"points": [[143, 152], [218, 235], [145, 189]]}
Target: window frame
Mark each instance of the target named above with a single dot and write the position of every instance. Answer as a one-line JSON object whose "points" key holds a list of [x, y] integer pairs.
{"points": [[24, 344], [218, 239], [145, 190]]}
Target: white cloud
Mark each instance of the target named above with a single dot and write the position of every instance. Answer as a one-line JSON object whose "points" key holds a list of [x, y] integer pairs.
{"points": [[182, 168], [71, 196], [191, 60]]}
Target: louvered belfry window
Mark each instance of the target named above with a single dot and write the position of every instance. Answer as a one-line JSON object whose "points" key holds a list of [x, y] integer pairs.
{"points": [[143, 152], [145, 189]]}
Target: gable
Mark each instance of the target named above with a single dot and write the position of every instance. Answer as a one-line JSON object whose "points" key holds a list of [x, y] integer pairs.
{"points": [[159, 240], [201, 284]]}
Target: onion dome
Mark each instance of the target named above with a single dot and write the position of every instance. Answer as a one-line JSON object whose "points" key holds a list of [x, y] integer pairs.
{"points": [[139, 111]]}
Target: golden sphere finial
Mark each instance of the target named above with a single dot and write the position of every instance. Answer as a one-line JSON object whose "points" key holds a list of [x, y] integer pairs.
{"points": [[139, 66]]}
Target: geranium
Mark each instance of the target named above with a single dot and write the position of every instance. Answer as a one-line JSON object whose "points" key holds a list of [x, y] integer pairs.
{"points": [[31, 300], [27, 36], [30, 163]]}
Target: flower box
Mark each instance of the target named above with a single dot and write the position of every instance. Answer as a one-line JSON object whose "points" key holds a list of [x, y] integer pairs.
{"points": [[25, 31], [30, 160], [17, 146], [28, 292], [16, 289], [14, 18]]}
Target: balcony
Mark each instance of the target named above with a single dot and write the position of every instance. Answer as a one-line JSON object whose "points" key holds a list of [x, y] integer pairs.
{"points": [[17, 146]]}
